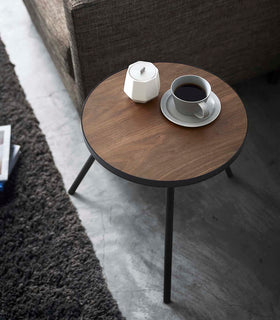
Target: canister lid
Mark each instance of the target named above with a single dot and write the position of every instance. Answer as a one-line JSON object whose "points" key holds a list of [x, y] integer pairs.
{"points": [[142, 70]]}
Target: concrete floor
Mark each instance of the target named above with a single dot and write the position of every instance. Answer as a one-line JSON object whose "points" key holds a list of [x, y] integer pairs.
{"points": [[226, 231]]}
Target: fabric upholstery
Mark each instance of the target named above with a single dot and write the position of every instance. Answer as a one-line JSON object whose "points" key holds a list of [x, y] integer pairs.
{"points": [[49, 19], [235, 40]]}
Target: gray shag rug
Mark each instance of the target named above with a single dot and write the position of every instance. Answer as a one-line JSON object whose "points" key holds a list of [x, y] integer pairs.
{"points": [[48, 269]]}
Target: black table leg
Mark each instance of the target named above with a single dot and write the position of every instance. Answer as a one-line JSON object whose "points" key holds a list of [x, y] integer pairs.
{"points": [[81, 175], [168, 244], [273, 77], [229, 172]]}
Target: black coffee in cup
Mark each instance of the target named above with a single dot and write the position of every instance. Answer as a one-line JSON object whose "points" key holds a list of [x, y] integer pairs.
{"points": [[190, 92]]}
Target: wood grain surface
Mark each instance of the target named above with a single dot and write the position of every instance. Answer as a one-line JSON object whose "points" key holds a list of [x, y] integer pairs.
{"points": [[136, 141]]}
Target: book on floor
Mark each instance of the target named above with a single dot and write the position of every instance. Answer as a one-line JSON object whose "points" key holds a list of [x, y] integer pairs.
{"points": [[15, 152], [5, 145], [14, 155]]}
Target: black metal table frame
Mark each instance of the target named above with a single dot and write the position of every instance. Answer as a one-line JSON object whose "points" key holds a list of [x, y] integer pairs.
{"points": [[170, 187]]}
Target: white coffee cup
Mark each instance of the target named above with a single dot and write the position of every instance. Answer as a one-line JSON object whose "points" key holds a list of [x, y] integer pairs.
{"points": [[198, 108]]}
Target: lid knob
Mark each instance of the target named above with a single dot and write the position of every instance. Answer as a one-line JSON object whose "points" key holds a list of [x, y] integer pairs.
{"points": [[142, 71]]}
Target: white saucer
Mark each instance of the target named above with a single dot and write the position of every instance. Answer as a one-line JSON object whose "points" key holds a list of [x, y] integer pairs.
{"points": [[169, 111]]}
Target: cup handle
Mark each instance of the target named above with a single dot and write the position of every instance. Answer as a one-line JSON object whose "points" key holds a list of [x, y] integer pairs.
{"points": [[204, 108]]}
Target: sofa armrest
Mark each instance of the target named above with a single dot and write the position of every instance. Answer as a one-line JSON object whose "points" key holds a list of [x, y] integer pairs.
{"points": [[233, 39], [76, 4], [74, 12]]}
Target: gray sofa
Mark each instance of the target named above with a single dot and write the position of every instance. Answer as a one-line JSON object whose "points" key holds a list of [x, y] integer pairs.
{"points": [[91, 39]]}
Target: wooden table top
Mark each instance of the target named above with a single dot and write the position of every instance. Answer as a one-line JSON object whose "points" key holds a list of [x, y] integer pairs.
{"points": [[136, 142]]}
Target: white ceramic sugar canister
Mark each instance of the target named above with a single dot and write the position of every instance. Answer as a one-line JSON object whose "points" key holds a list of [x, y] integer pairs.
{"points": [[142, 81]]}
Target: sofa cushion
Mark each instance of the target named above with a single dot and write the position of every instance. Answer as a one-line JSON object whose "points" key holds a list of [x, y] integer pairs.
{"points": [[49, 19]]}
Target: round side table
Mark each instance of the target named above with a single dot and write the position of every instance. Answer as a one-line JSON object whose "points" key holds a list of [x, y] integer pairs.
{"points": [[136, 142]]}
